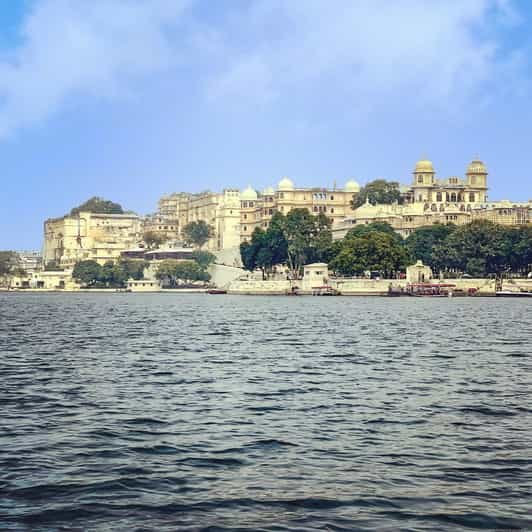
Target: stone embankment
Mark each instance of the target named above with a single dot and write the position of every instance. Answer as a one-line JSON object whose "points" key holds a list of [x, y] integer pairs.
{"points": [[364, 287]]}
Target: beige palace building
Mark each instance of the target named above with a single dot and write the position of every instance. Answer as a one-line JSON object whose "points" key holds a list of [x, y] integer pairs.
{"points": [[234, 215], [428, 200], [100, 237]]}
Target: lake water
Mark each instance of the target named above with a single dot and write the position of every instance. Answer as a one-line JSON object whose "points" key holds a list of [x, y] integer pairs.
{"points": [[184, 412]]}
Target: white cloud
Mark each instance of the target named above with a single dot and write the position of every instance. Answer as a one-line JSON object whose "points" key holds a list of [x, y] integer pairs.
{"points": [[441, 51], [82, 47]]}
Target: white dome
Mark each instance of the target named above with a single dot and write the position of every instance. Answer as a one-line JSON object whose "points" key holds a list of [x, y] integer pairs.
{"points": [[268, 191], [352, 186], [248, 194], [286, 184]]}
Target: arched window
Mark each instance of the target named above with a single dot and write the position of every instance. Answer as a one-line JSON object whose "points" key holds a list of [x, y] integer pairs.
{"points": [[472, 197], [420, 179], [433, 207], [442, 208], [438, 196], [453, 197]]}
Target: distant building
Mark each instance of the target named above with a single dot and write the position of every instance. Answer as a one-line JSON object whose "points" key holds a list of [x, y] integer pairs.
{"points": [[29, 261], [89, 236], [429, 200], [234, 215]]}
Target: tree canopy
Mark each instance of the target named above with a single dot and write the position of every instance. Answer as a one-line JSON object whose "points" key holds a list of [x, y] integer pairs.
{"points": [[153, 240], [423, 242], [172, 271], [111, 275], [203, 258], [99, 206], [7, 265], [295, 239], [372, 250], [378, 191], [198, 233], [87, 272]]}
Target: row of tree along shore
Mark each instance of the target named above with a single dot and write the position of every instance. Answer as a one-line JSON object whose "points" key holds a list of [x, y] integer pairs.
{"points": [[172, 273], [478, 249]]}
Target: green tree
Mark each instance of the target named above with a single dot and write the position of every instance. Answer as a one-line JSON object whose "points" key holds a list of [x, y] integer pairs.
{"points": [[108, 273], [172, 271], [153, 240], [7, 261], [261, 252], [203, 258], [370, 251], [7, 265], [87, 272], [99, 206], [521, 256], [378, 191], [308, 238], [478, 248], [132, 269], [422, 242], [190, 271], [166, 272], [198, 233], [379, 227]]}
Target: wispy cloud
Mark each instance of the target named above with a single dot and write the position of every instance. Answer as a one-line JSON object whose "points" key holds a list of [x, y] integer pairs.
{"points": [[441, 51], [82, 48]]}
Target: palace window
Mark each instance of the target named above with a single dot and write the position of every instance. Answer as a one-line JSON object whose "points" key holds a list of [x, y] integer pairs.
{"points": [[472, 197], [438, 196], [420, 179], [332, 198]]}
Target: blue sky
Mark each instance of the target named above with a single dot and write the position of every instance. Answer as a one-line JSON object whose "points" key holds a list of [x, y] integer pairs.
{"points": [[130, 99]]}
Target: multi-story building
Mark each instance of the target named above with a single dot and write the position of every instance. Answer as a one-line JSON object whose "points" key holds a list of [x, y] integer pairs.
{"points": [[220, 210], [234, 215], [28, 261], [257, 209], [429, 200], [84, 236]]}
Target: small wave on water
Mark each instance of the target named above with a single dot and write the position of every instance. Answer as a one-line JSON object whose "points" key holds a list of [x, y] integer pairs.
{"points": [[247, 413]]}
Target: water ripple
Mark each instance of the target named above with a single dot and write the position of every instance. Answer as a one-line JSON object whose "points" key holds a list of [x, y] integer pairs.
{"points": [[190, 412]]}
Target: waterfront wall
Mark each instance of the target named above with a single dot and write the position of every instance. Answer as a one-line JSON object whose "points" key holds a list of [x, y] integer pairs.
{"points": [[255, 287], [358, 287]]}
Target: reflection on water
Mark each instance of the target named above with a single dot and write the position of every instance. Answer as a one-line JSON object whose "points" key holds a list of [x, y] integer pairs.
{"points": [[165, 412]]}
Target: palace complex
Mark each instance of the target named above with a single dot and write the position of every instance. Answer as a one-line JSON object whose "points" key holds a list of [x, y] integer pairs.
{"points": [[235, 214]]}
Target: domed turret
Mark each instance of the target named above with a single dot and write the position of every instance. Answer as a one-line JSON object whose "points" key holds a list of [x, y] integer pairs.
{"points": [[477, 176], [248, 194], [268, 191], [424, 173], [424, 165], [286, 184], [352, 186], [477, 167]]}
